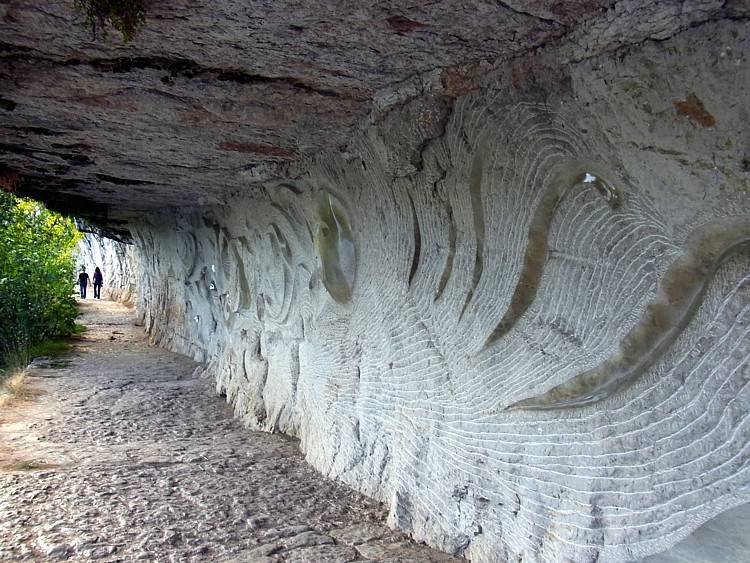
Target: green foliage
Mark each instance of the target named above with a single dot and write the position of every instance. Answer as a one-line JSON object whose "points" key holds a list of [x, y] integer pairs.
{"points": [[37, 272], [126, 16], [52, 347]]}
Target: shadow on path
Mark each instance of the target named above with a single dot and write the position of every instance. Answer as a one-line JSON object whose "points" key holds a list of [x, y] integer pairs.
{"points": [[124, 455]]}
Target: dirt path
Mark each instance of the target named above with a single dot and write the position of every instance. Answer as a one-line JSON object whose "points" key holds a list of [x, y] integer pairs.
{"points": [[123, 455]]}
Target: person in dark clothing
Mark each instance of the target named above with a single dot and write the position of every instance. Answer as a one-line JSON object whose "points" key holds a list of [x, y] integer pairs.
{"points": [[83, 282], [98, 281]]}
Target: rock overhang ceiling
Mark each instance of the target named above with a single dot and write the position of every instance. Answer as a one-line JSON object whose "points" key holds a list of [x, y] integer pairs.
{"points": [[211, 98]]}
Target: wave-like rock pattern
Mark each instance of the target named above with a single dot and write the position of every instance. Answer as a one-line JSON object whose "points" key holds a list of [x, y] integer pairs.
{"points": [[569, 176], [367, 325], [680, 293]]}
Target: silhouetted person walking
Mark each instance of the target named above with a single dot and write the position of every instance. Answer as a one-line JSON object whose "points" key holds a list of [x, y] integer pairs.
{"points": [[83, 282], [98, 281]]}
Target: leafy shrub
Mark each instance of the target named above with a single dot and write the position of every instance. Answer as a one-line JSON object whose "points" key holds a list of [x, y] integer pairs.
{"points": [[126, 16], [37, 272]]}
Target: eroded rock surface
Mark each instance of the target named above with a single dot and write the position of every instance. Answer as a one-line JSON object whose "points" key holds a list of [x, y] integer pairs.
{"points": [[211, 97], [393, 253], [124, 456], [402, 391]]}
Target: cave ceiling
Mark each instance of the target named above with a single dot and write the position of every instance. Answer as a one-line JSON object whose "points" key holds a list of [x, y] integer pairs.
{"points": [[211, 98]]}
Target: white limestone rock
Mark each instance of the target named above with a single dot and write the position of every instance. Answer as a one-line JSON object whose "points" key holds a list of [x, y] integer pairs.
{"points": [[586, 194]]}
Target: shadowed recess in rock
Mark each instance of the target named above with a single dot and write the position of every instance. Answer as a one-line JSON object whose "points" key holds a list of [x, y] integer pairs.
{"points": [[451, 253], [282, 244], [680, 294], [335, 245], [245, 299], [189, 252], [475, 190], [569, 175], [417, 241], [226, 262]]}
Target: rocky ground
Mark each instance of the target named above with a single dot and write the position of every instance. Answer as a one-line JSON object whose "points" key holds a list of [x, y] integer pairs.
{"points": [[123, 454]]}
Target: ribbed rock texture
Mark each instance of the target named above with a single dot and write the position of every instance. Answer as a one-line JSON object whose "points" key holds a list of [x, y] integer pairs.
{"points": [[118, 264], [389, 307], [490, 265]]}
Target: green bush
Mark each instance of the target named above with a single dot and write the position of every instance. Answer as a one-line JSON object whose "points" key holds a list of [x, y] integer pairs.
{"points": [[37, 273], [126, 16]]}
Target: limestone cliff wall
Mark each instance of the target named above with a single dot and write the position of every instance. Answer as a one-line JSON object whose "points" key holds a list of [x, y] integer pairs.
{"points": [[117, 262], [517, 317]]}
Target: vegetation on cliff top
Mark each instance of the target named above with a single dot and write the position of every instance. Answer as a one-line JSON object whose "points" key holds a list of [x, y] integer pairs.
{"points": [[126, 16]]}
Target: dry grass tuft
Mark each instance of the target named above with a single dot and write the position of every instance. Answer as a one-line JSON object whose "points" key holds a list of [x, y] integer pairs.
{"points": [[15, 388]]}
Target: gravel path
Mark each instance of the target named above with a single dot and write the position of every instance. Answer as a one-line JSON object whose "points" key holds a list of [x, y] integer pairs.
{"points": [[124, 455]]}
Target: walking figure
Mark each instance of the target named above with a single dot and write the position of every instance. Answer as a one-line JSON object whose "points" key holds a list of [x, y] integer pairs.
{"points": [[83, 281], [98, 281]]}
